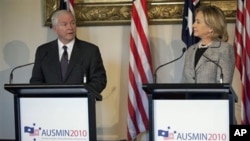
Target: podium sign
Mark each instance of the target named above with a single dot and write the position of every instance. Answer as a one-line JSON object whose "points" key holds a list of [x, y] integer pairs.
{"points": [[54, 112], [190, 111], [46, 119], [191, 120]]}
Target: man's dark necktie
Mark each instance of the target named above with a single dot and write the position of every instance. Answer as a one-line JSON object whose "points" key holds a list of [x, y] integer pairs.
{"points": [[64, 62]]}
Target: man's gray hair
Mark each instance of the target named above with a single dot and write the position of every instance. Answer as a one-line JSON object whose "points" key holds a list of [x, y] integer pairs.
{"points": [[56, 14]]}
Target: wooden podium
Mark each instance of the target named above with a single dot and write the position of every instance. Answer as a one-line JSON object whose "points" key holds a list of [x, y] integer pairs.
{"points": [[54, 112], [190, 111]]}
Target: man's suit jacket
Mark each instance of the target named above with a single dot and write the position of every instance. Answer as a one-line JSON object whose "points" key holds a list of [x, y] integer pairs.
{"points": [[85, 60], [206, 70]]}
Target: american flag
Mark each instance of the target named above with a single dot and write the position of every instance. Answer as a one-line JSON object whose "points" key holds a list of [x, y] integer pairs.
{"points": [[242, 53], [67, 4], [140, 70], [187, 21]]}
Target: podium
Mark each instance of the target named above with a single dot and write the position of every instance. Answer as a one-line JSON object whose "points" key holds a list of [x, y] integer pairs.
{"points": [[190, 111], [54, 112]]}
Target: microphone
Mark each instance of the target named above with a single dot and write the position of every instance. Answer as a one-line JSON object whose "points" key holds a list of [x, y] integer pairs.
{"points": [[221, 73], [11, 73], [155, 73]]}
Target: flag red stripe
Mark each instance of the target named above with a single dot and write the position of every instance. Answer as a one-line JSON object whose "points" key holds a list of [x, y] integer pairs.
{"points": [[71, 6], [245, 59], [242, 48], [137, 94], [134, 84], [132, 113], [138, 103], [144, 79], [138, 61], [140, 70], [141, 32], [238, 54]]}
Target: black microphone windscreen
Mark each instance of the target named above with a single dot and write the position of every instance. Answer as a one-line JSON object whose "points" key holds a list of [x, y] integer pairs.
{"points": [[183, 50]]}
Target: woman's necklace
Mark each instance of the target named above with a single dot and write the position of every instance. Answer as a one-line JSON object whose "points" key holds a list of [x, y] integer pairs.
{"points": [[204, 45]]}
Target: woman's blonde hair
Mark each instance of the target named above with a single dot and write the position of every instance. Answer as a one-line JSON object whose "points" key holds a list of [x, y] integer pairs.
{"points": [[215, 19]]}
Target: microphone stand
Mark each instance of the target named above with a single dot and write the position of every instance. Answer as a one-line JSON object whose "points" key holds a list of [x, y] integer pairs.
{"points": [[11, 73], [221, 73], [155, 73]]}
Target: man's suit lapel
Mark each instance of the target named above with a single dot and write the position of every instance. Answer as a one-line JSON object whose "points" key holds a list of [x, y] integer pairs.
{"points": [[55, 62]]}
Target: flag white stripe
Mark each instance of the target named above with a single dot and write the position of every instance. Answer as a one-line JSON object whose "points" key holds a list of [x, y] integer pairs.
{"points": [[140, 69], [138, 81], [242, 47], [140, 50]]}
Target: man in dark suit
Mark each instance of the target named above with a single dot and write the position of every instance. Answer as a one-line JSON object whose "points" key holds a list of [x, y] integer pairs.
{"points": [[83, 60]]}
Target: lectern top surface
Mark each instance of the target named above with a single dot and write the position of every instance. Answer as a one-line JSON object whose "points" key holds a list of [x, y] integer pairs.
{"points": [[49, 90]]}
